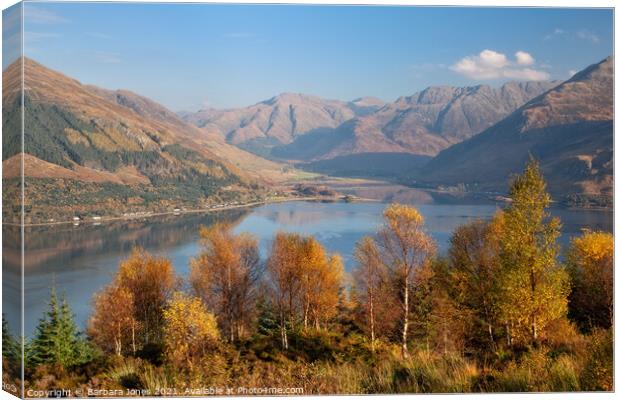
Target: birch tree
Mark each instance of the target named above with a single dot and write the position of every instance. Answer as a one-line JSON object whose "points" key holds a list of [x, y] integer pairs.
{"points": [[225, 277], [534, 286], [405, 248], [370, 275]]}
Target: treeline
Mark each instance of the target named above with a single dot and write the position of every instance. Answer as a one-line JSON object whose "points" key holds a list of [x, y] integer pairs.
{"points": [[499, 312]]}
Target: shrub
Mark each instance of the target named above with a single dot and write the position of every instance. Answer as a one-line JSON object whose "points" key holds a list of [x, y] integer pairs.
{"points": [[598, 373]]}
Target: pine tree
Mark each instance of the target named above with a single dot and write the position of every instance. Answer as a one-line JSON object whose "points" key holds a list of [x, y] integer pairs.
{"points": [[267, 320], [11, 350], [57, 339]]}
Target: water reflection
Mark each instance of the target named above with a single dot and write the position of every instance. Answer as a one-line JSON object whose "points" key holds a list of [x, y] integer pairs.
{"points": [[81, 260]]}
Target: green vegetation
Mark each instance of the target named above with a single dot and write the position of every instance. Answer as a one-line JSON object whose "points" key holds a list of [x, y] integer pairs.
{"points": [[500, 313], [57, 340], [177, 176], [62, 199]]}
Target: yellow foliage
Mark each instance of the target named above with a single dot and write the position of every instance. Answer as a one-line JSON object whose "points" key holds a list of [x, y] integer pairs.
{"points": [[190, 331], [224, 276], [590, 263], [534, 287], [113, 325], [398, 214], [151, 281], [592, 247], [76, 137]]}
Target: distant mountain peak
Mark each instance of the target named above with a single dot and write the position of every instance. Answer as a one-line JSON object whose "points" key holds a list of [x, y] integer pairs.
{"points": [[568, 128]]}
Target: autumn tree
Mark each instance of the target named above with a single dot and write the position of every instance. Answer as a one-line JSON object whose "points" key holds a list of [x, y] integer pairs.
{"points": [[321, 280], [190, 331], [284, 277], [590, 264], [370, 275], [405, 248], [113, 325], [474, 264], [305, 280], [225, 277], [149, 281], [445, 322], [534, 287]]}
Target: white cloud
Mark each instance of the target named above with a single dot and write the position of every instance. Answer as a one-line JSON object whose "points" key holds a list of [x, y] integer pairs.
{"points": [[486, 65], [491, 64], [571, 73], [556, 32], [585, 34], [524, 59], [526, 74], [582, 34]]}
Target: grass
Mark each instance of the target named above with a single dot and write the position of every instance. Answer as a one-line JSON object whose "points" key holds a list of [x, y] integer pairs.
{"points": [[333, 363]]}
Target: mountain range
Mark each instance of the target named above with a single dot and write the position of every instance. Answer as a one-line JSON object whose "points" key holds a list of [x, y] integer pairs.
{"points": [[569, 129], [279, 120], [92, 149], [308, 128]]}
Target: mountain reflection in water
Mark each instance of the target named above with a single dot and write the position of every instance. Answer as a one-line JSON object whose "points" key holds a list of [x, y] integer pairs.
{"points": [[82, 259]]}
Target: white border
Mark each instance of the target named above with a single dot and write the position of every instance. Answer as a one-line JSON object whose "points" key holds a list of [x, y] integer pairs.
{"points": [[477, 3]]}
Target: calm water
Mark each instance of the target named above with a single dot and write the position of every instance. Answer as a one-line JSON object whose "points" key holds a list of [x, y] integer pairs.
{"points": [[81, 260]]}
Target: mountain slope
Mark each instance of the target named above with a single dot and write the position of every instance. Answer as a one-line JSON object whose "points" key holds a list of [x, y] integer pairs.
{"points": [[250, 164], [422, 124], [569, 129], [77, 136]]}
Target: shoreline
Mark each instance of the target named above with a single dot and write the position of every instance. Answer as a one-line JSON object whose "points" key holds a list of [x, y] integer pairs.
{"points": [[339, 198], [192, 211]]}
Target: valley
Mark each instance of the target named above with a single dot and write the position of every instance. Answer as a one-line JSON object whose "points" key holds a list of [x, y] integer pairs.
{"points": [[98, 153]]}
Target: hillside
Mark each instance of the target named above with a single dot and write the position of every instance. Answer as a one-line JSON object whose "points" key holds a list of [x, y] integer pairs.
{"points": [[569, 129], [78, 135], [250, 164]]}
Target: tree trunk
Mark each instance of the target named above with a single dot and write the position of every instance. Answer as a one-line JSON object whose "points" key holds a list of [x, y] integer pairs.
{"points": [[508, 338], [445, 338], [232, 328], [372, 321], [229, 304], [306, 311], [133, 338], [239, 330], [118, 341], [405, 352], [489, 325], [283, 335]]}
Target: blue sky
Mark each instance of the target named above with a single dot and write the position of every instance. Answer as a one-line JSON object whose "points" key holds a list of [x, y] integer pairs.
{"points": [[189, 56]]}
